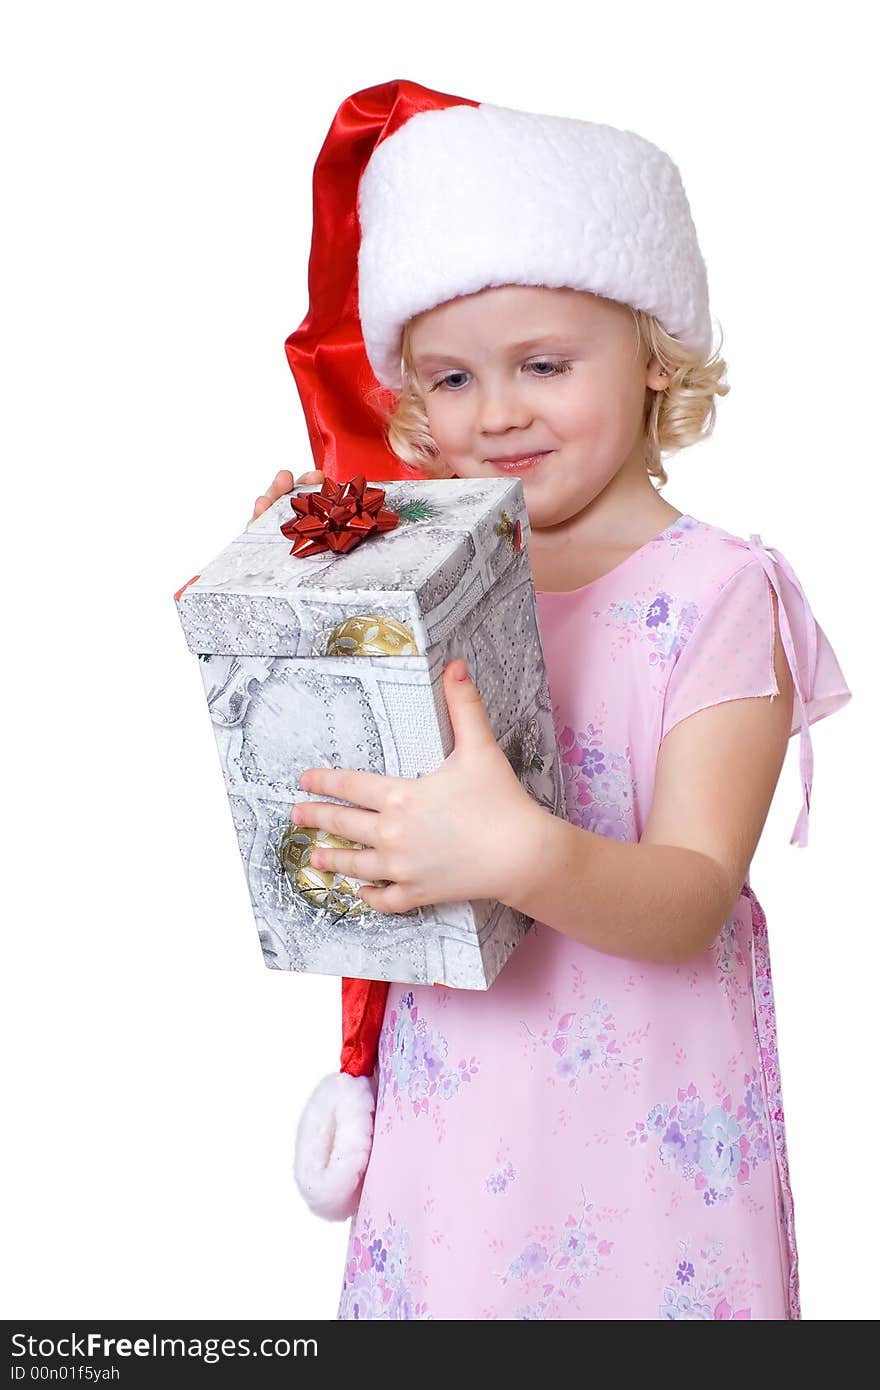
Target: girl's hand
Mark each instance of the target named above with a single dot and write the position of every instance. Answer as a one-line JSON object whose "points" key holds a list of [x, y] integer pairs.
{"points": [[284, 483], [469, 830]]}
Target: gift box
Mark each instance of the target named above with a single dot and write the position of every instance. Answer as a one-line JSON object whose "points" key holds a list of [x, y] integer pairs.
{"points": [[335, 657]]}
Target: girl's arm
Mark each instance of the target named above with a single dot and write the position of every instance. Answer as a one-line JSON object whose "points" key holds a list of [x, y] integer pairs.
{"points": [[666, 898]]}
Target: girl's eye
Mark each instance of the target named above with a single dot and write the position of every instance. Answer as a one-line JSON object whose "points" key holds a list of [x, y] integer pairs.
{"points": [[445, 380], [556, 369]]}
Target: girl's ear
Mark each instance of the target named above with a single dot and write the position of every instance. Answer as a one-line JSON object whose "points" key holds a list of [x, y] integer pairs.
{"points": [[655, 377]]}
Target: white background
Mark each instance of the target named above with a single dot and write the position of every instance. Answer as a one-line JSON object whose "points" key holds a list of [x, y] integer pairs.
{"points": [[157, 180]]}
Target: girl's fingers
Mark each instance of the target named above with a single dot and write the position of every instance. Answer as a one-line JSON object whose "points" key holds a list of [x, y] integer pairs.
{"points": [[388, 898], [358, 863], [347, 821], [282, 483], [370, 790]]}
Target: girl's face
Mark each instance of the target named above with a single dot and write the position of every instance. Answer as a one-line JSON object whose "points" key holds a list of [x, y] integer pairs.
{"points": [[522, 369]]}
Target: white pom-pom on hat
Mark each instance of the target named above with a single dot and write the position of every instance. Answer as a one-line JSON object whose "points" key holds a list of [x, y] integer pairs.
{"points": [[333, 1143], [335, 1132]]}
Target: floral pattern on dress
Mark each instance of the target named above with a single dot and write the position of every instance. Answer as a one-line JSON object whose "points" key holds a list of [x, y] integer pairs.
{"points": [[765, 1033], [598, 781], [661, 620], [555, 1262], [705, 1288], [586, 1045], [377, 1280], [503, 1177], [678, 537], [714, 1147], [415, 1074], [730, 962]]}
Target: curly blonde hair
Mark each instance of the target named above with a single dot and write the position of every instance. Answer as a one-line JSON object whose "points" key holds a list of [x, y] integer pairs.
{"points": [[682, 413]]}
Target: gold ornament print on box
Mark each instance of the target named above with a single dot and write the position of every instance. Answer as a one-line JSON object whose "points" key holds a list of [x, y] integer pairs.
{"points": [[320, 887], [370, 634]]}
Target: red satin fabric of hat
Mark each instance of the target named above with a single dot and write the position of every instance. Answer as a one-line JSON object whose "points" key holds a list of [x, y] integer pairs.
{"points": [[363, 1009], [340, 395]]}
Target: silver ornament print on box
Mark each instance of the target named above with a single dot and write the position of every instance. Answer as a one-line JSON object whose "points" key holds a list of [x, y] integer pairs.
{"points": [[337, 660]]}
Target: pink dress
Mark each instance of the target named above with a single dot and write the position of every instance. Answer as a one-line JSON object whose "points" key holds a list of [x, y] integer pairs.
{"points": [[597, 1137]]}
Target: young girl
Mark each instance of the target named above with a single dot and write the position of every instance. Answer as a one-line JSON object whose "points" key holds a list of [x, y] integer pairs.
{"points": [[600, 1135]]}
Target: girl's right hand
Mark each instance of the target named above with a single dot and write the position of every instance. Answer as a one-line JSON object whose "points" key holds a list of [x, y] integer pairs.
{"points": [[284, 483]]}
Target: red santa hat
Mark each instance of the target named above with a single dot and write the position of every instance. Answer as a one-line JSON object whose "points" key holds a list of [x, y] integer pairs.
{"points": [[421, 197]]}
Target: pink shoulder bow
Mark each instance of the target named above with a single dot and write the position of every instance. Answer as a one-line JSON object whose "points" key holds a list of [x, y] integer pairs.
{"points": [[797, 630]]}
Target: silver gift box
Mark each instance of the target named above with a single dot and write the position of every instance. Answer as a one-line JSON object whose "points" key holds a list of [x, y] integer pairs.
{"points": [[337, 661]]}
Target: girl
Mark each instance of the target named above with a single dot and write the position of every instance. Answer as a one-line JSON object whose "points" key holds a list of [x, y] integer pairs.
{"points": [[601, 1134]]}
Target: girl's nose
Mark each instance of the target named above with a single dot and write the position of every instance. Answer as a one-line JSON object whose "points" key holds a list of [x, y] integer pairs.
{"points": [[503, 407]]}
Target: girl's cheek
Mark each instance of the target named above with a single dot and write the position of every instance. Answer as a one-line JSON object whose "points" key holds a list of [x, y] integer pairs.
{"points": [[443, 432]]}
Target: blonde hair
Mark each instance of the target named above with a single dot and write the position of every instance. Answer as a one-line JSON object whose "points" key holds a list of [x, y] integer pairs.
{"points": [[682, 413]]}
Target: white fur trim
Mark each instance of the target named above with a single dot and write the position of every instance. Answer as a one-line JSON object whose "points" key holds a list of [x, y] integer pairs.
{"points": [[333, 1144], [467, 197]]}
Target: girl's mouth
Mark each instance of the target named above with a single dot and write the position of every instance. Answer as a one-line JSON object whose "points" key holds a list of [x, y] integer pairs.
{"points": [[520, 465]]}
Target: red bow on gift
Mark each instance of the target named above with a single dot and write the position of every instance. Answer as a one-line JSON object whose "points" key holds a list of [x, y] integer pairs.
{"points": [[338, 517]]}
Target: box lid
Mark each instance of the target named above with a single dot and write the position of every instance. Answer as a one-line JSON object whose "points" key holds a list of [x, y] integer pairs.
{"points": [[396, 593]]}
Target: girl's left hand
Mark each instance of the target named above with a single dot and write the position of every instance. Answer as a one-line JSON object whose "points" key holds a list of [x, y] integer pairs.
{"points": [[469, 830]]}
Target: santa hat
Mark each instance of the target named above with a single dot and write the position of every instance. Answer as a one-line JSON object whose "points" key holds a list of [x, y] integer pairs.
{"points": [[420, 197]]}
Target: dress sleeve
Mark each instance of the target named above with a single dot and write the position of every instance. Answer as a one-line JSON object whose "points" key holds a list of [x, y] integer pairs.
{"points": [[729, 655]]}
